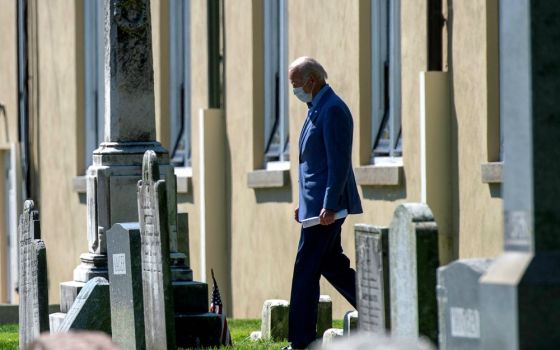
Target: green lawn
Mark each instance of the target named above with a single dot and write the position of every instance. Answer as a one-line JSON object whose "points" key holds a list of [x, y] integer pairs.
{"points": [[240, 332], [9, 337]]}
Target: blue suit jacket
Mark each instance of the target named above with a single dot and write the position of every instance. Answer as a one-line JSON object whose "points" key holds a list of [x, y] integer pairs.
{"points": [[326, 178]]}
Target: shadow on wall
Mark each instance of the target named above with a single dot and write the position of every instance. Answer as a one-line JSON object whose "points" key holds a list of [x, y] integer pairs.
{"points": [[274, 195]]}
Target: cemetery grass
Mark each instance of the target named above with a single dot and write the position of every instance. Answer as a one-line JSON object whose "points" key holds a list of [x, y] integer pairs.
{"points": [[240, 333], [9, 337]]}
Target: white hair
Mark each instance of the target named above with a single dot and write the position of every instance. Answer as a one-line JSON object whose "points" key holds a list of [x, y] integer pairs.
{"points": [[308, 66]]}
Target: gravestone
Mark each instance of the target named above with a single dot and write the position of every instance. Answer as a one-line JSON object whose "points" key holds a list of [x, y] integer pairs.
{"points": [[413, 260], [158, 297], [324, 314], [372, 278], [125, 290], [88, 311], [274, 319], [520, 293], [33, 288], [458, 303], [350, 323]]}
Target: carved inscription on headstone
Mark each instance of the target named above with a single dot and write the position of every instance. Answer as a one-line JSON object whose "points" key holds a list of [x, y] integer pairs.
{"points": [[371, 246], [158, 297], [33, 291]]}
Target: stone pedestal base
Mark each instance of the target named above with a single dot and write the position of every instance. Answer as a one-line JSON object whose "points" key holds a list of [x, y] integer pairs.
{"points": [[179, 269], [190, 297], [198, 330], [55, 320], [92, 265], [68, 293]]}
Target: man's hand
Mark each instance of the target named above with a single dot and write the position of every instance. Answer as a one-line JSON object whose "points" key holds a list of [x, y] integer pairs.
{"points": [[327, 216], [296, 214]]}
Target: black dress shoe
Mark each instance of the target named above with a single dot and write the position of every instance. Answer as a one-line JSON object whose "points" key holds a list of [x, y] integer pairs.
{"points": [[289, 347]]}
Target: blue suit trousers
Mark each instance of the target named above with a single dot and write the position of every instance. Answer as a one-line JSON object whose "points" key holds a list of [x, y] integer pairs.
{"points": [[319, 253]]}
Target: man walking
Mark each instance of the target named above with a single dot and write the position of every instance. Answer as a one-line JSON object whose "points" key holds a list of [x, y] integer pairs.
{"points": [[326, 186]]}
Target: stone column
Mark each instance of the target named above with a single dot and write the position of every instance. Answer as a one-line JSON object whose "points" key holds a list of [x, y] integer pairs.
{"points": [[520, 293], [129, 132]]}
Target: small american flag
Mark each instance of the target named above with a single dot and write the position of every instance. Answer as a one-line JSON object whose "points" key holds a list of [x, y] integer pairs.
{"points": [[217, 308]]}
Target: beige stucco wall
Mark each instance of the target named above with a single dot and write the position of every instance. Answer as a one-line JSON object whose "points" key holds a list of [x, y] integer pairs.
{"points": [[63, 217], [478, 206]]}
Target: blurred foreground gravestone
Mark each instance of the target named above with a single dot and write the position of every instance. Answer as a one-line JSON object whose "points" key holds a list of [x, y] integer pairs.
{"points": [[370, 341], [520, 293]]}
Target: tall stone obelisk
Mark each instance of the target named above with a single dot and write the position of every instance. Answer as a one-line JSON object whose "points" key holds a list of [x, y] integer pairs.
{"points": [[129, 132]]}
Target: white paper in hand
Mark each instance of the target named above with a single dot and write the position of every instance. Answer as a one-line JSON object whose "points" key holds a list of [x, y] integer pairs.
{"points": [[316, 220]]}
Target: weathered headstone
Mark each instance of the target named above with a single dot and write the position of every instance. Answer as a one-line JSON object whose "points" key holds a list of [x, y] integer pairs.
{"points": [[324, 314], [88, 311], [274, 322], [413, 260], [33, 289], [372, 278], [159, 318], [520, 293], [331, 335], [274, 318], [125, 275], [350, 323], [458, 303]]}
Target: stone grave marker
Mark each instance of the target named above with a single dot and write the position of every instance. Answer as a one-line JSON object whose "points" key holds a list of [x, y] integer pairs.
{"points": [[458, 303], [88, 311], [33, 289], [413, 260], [520, 292], [372, 278], [158, 297], [125, 290]]}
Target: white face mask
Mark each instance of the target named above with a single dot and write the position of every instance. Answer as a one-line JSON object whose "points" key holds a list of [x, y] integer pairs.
{"points": [[303, 96]]}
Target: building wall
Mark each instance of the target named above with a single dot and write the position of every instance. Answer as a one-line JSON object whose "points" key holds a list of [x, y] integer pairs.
{"points": [[62, 211], [8, 121], [474, 101], [260, 232]]}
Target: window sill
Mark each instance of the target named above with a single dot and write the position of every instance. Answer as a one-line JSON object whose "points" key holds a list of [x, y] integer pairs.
{"points": [[184, 175], [379, 175], [492, 173], [79, 184], [268, 178]]}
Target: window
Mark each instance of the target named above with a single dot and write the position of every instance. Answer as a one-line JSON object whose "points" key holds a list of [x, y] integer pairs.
{"points": [[93, 77], [386, 85], [276, 131], [180, 82]]}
